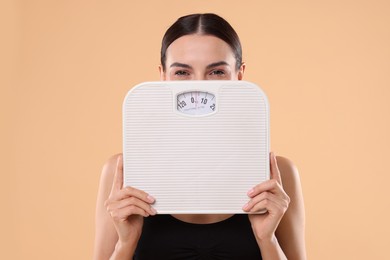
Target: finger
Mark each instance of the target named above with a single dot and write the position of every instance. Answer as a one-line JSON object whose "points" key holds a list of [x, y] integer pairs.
{"points": [[275, 173], [134, 192], [271, 185], [264, 196], [130, 192], [265, 205], [129, 202], [272, 203], [118, 178], [124, 213]]}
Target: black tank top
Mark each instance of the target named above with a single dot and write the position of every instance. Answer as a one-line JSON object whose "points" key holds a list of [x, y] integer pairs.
{"points": [[165, 237]]}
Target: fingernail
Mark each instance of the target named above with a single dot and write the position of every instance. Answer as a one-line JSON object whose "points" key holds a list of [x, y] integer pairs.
{"points": [[153, 211], [250, 192], [151, 198], [245, 207]]}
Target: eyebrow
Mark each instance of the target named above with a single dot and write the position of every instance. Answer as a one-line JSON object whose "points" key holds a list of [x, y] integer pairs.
{"points": [[216, 64], [181, 65], [212, 65]]}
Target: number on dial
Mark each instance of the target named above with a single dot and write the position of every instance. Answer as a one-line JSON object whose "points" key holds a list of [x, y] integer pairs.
{"points": [[196, 103]]}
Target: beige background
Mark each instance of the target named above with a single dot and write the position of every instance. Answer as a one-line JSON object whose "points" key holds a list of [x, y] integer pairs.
{"points": [[66, 66]]}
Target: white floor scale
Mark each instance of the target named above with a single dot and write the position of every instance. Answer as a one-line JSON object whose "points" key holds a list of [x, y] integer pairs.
{"points": [[196, 146]]}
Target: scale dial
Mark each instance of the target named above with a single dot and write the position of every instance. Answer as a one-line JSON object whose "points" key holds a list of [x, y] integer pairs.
{"points": [[196, 103]]}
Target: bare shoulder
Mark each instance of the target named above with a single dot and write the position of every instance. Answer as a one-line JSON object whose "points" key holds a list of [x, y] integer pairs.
{"points": [[105, 233], [111, 161], [291, 230], [288, 172], [291, 184], [107, 178], [109, 167], [286, 164]]}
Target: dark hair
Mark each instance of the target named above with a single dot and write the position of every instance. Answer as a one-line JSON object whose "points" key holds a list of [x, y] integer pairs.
{"points": [[206, 24]]}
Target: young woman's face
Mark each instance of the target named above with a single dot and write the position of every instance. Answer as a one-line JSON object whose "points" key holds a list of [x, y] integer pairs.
{"points": [[200, 57]]}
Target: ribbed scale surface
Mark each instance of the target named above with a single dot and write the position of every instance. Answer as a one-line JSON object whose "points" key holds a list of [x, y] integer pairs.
{"points": [[196, 164]]}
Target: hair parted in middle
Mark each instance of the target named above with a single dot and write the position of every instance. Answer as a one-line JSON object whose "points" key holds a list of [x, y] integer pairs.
{"points": [[203, 24]]}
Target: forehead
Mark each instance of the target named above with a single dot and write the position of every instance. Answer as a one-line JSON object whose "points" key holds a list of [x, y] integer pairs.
{"points": [[197, 49]]}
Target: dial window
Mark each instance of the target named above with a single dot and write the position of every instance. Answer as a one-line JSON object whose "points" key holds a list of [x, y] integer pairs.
{"points": [[196, 103]]}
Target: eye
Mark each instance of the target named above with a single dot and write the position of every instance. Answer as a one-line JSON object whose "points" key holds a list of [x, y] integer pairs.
{"points": [[181, 73], [217, 72]]}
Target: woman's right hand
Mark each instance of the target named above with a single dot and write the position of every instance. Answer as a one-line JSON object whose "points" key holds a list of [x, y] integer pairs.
{"points": [[127, 207]]}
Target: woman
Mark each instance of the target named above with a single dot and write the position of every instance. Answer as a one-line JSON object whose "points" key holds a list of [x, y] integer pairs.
{"points": [[201, 47]]}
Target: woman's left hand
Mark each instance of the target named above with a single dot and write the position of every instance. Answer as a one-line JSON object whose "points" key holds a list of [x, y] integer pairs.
{"points": [[271, 197]]}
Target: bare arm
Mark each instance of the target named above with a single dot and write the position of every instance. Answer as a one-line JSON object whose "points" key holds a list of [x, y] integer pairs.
{"points": [[280, 231], [105, 233], [119, 214], [291, 230]]}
